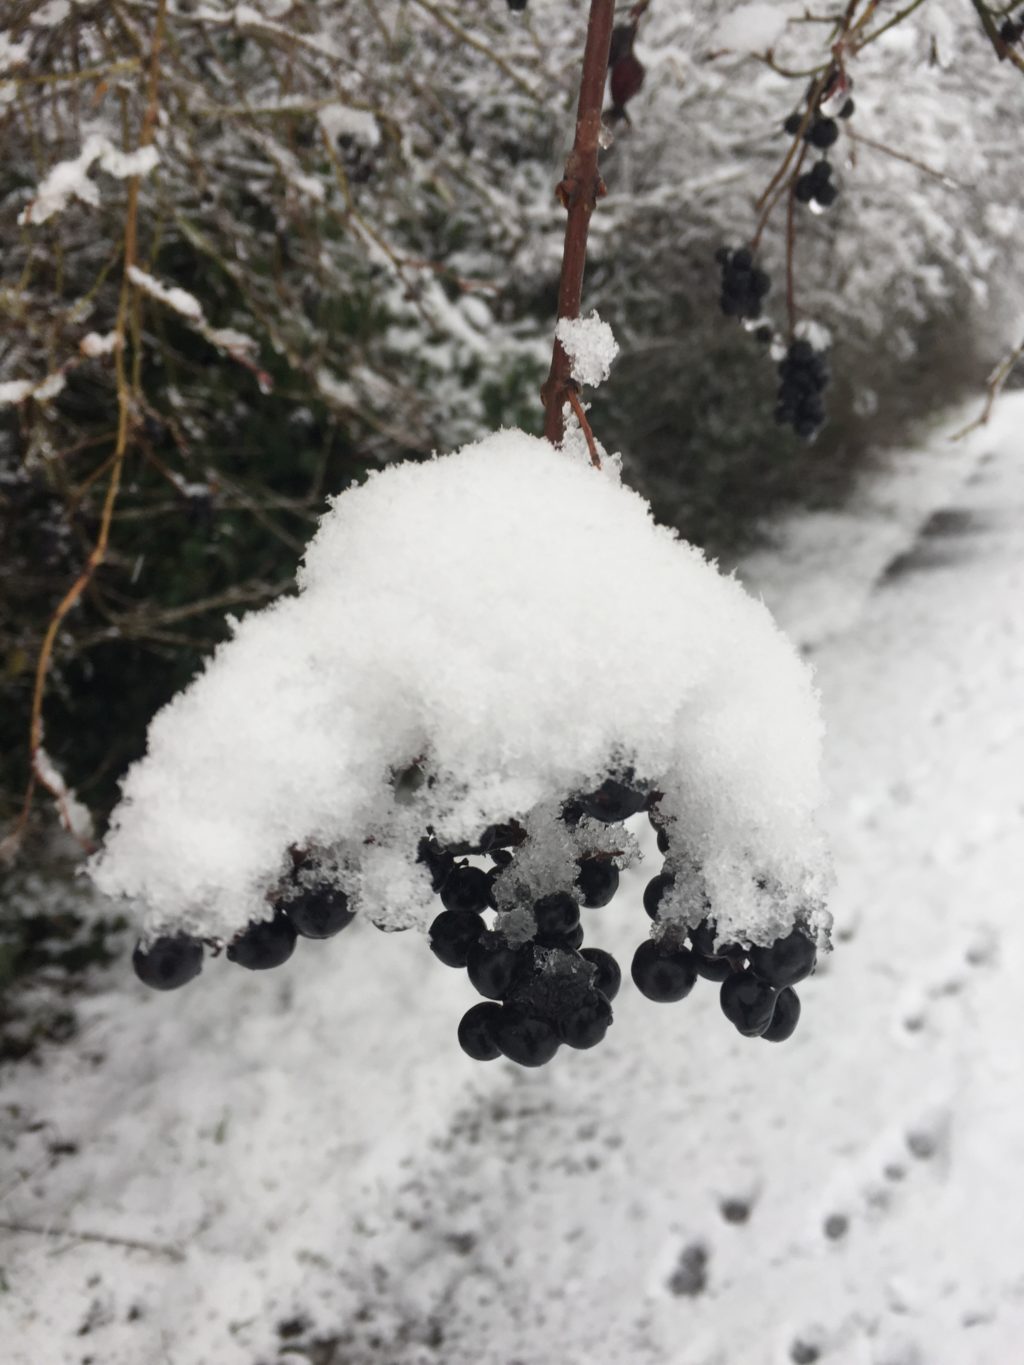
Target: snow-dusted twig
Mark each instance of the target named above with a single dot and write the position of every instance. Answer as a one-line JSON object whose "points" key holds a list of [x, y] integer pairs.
{"points": [[579, 190]]}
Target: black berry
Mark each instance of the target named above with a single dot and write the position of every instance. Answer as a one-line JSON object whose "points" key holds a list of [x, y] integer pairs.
{"points": [[598, 881], [524, 1038], [608, 978], [265, 944], [556, 915], [792, 124], [785, 1018], [170, 961], [612, 801], [654, 892], [663, 975], [587, 1025], [476, 1032], [747, 1002], [494, 966], [452, 934], [847, 109], [823, 133], [786, 962], [466, 888], [319, 912], [569, 941]]}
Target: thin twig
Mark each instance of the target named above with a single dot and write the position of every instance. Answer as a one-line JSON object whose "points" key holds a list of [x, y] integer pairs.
{"points": [[579, 190], [581, 416], [99, 550], [105, 1239], [993, 389]]}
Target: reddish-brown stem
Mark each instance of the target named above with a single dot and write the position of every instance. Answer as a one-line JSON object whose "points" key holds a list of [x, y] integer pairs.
{"points": [[579, 190], [581, 417], [791, 241]]}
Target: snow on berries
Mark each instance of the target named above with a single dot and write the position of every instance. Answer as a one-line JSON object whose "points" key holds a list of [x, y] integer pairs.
{"points": [[494, 661]]}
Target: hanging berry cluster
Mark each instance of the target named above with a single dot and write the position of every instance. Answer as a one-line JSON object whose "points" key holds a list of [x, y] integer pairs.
{"points": [[542, 987]]}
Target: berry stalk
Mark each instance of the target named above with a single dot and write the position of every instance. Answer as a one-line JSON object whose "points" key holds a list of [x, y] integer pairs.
{"points": [[579, 190]]}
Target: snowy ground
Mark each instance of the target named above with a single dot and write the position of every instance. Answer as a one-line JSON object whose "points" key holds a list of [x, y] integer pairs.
{"points": [[304, 1163]]}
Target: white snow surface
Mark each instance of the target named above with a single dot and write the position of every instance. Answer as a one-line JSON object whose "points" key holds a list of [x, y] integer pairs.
{"points": [[591, 347], [753, 28], [302, 1165], [514, 623]]}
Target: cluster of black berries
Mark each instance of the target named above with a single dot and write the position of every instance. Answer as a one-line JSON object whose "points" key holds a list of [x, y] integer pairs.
{"points": [[822, 131], [816, 186], [546, 989], [541, 988], [1012, 30], [803, 377], [307, 911], [744, 285], [756, 993]]}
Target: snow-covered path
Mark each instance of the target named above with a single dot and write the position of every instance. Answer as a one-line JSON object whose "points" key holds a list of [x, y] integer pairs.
{"points": [[305, 1162]]}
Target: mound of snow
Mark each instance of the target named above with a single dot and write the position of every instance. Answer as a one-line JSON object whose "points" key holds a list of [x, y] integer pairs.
{"points": [[507, 626]]}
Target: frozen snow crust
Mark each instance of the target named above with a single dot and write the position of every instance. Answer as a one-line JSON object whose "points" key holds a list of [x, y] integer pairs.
{"points": [[475, 639]]}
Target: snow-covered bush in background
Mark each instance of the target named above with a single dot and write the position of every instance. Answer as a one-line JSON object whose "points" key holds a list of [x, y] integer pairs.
{"points": [[353, 205]]}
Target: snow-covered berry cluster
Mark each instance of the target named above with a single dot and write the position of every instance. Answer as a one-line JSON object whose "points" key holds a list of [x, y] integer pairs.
{"points": [[524, 952], [340, 755], [803, 377]]}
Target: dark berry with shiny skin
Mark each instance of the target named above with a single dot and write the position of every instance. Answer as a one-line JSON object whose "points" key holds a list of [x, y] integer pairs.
{"points": [[662, 831], [612, 801], [748, 1003], [586, 1026], [170, 961], [785, 1018], [663, 976], [476, 1037], [786, 962], [452, 934], [466, 888], [523, 1038], [654, 892], [571, 940], [320, 912], [265, 944], [598, 881], [556, 915], [609, 977], [494, 966]]}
